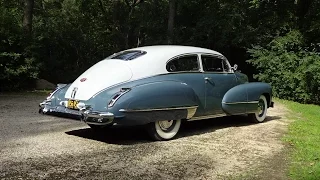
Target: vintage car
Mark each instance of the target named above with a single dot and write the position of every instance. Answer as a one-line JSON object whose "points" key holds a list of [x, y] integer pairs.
{"points": [[160, 87]]}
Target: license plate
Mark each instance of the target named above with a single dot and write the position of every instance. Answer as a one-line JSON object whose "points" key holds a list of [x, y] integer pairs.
{"points": [[72, 104]]}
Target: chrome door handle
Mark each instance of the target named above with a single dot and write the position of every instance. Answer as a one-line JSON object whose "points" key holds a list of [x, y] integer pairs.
{"points": [[207, 78]]}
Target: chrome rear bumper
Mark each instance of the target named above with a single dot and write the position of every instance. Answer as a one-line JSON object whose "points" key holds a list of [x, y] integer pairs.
{"points": [[47, 108], [86, 115]]}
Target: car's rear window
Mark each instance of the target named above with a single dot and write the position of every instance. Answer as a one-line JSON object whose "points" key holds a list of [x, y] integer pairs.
{"points": [[128, 55]]}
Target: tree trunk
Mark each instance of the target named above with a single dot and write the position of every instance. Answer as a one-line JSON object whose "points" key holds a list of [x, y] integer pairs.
{"points": [[27, 17], [128, 33], [172, 10], [130, 27], [303, 7]]}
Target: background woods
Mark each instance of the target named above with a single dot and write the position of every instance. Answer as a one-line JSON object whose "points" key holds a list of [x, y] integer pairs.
{"points": [[271, 41]]}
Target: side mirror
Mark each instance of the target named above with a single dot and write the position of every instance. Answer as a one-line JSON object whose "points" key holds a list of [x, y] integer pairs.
{"points": [[235, 67]]}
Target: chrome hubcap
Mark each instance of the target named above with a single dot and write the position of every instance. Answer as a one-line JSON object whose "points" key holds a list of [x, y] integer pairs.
{"points": [[261, 107], [165, 125]]}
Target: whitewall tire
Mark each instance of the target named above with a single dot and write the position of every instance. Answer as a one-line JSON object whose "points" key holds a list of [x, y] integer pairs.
{"points": [[163, 130], [261, 114]]}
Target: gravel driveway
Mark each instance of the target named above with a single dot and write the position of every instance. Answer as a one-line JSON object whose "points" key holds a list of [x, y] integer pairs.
{"points": [[34, 146]]}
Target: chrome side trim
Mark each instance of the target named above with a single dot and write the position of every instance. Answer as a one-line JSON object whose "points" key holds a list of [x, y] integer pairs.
{"points": [[250, 102], [191, 108], [119, 94], [207, 117]]}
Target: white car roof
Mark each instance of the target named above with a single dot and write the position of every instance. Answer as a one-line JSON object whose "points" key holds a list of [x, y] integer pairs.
{"points": [[110, 72], [154, 61], [168, 51]]}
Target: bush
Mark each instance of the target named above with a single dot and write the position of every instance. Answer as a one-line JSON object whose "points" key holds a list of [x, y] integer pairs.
{"points": [[18, 67], [16, 72], [291, 69]]}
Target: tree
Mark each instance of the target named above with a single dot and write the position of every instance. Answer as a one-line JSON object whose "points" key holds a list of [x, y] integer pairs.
{"points": [[27, 16], [291, 69], [303, 7], [62, 38], [172, 11], [130, 27]]}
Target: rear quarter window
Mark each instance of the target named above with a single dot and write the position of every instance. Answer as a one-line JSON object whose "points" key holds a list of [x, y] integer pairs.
{"points": [[183, 63]]}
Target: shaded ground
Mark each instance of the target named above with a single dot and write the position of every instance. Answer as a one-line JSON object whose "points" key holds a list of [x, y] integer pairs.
{"points": [[33, 146]]}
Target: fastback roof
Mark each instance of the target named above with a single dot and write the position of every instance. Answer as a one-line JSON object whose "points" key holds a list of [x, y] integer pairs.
{"points": [[154, 61], [173, 50]]}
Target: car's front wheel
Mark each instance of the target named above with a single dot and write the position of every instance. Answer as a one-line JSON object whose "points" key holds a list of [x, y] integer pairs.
{"points": [[163, 130], [261, 114]]}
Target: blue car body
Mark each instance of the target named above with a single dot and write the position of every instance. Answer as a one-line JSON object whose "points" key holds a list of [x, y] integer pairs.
{"points": [[184, 95]]}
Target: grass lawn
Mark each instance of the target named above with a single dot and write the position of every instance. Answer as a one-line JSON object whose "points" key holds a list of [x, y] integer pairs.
{"points": [[304, 136]]}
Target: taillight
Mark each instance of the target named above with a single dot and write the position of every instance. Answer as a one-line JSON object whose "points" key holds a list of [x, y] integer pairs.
{"points": [[117, 96]]}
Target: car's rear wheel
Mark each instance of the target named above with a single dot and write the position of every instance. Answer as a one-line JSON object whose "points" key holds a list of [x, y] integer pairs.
{"points": [[163, 130], [261, 114]]}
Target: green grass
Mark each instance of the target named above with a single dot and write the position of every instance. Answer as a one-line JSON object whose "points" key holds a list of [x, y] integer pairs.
{"points": [[304, 137]]}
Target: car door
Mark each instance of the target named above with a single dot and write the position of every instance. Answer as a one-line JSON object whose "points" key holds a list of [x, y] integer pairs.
{"points": [[186, 68], [218, 78]]}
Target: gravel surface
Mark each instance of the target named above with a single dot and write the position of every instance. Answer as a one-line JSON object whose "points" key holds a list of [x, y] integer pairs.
{"points": [[34, 146]]}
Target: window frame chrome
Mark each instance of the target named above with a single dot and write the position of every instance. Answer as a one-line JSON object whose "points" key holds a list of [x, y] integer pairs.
{"points": [[182, 55], [217, 56]]}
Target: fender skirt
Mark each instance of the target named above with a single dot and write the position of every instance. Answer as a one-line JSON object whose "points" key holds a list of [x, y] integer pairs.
{"points": [[244, 98]]}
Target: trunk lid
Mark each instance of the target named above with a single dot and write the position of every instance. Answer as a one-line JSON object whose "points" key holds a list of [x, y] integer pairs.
{"points": [[104, 74]]}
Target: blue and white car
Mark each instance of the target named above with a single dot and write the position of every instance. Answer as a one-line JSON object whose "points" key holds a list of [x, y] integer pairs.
{"points": [[160, 87]]}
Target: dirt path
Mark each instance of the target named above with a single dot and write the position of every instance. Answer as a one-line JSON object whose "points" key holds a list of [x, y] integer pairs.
{"points": [[33, 146]]}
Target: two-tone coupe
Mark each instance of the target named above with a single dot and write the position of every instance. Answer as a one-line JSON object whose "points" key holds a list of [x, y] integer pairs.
{"points": [[160, 87]]}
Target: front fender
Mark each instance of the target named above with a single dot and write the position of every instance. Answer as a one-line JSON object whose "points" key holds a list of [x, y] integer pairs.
{"points": [[244, 98]]}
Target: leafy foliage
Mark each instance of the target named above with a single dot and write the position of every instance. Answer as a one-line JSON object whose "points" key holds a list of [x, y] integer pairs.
{"points": [[68, 36], [16, 67], [293, 71]]}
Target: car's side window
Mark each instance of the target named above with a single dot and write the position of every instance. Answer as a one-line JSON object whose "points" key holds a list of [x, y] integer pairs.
{"points": [[214, 64], [183, 63]]}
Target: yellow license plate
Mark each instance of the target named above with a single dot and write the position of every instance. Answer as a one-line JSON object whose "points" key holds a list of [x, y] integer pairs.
{"points": [[72, 104]]}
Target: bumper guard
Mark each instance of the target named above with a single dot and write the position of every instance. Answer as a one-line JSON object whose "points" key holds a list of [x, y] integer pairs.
{"points": [[97, 118]]}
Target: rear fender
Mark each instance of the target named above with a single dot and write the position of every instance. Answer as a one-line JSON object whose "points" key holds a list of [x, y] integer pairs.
{"points": [[244, 98], [58, 94], [164, 100]]}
